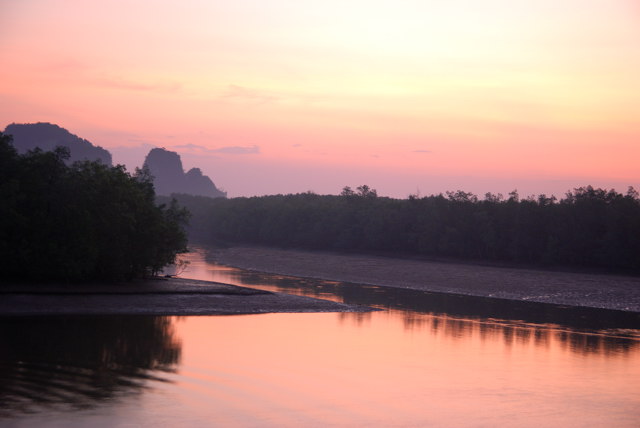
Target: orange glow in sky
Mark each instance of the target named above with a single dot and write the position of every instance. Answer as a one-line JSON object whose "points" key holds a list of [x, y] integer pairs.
{"points": [[286, 96]]}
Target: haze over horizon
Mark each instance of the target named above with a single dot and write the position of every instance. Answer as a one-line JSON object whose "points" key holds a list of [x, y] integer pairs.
{"points": [[289, 96]]}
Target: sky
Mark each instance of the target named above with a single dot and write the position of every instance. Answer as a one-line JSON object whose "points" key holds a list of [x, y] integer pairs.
{"points": [[286, 96]]}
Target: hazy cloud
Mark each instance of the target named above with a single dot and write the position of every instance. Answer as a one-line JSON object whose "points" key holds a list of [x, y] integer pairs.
{"points": [[242, 92], [422, 151], [191, 147], [83, 72], [142, 141], [234, 150], [131, 85], [63, 65], [237, 150]]}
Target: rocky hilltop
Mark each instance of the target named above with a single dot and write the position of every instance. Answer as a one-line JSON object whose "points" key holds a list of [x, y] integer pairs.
{"points": [[47, 136], [165, 166], [169, 177]]}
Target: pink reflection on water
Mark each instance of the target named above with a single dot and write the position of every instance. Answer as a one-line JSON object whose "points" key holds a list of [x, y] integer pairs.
{"points": [[325, 369], [398, 368]]}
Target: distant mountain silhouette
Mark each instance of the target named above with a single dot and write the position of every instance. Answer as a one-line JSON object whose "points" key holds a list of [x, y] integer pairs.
{"points": [[169, 177], [47, 136], [164, 165]]}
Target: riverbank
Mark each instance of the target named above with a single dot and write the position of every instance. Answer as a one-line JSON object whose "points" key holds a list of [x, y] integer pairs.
{"points": [[162, 296], [562, 288]]}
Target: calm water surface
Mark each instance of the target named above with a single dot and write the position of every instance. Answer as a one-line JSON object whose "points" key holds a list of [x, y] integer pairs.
{"points": [[425, 360]]}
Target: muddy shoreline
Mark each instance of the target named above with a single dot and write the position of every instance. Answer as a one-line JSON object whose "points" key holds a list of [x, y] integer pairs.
{"points": [[603, 291], [174, 296]]}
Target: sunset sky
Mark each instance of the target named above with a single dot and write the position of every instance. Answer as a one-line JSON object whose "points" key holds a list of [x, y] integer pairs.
{"points": [[285, 96]]}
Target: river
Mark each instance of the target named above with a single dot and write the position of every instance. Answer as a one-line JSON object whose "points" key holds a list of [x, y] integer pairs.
{"points": [[424, 359]]}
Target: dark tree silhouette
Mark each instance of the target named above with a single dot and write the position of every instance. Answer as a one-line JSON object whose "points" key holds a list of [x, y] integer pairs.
{"points": [[86, 221]]}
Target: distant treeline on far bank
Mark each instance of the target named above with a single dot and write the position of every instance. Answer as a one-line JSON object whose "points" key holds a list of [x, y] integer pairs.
{"points": [[589, 227]]}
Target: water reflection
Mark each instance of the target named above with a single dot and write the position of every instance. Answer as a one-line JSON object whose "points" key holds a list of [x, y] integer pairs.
{"points": [[80, 361], [420, 362], [584, 329], [581, 329]]}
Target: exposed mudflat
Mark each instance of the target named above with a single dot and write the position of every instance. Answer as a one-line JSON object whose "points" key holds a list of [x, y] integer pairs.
{"points": [[563, 288], [156, 297]]}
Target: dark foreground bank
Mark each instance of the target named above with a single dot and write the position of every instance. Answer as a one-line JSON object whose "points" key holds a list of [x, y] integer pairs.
{"points": [[157, 297]]}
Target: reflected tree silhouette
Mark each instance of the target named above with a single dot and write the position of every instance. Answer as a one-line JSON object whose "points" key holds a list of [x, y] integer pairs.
{"points": [[357, 318], [582, 330], [82, 360]]}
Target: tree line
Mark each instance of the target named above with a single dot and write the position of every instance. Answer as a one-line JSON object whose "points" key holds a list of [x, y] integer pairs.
{"points": [[589, 227], [79, 222]]}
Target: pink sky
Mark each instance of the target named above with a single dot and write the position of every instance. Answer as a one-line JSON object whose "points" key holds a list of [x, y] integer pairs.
{"points": [[286, 96]]}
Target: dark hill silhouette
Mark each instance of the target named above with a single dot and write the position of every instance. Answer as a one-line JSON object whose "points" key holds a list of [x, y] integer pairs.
{"points": [[169, 177], [47, 136]]}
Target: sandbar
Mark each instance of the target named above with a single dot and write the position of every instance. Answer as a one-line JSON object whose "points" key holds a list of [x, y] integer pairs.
{"points": [[606, 291], [160, 296]]}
